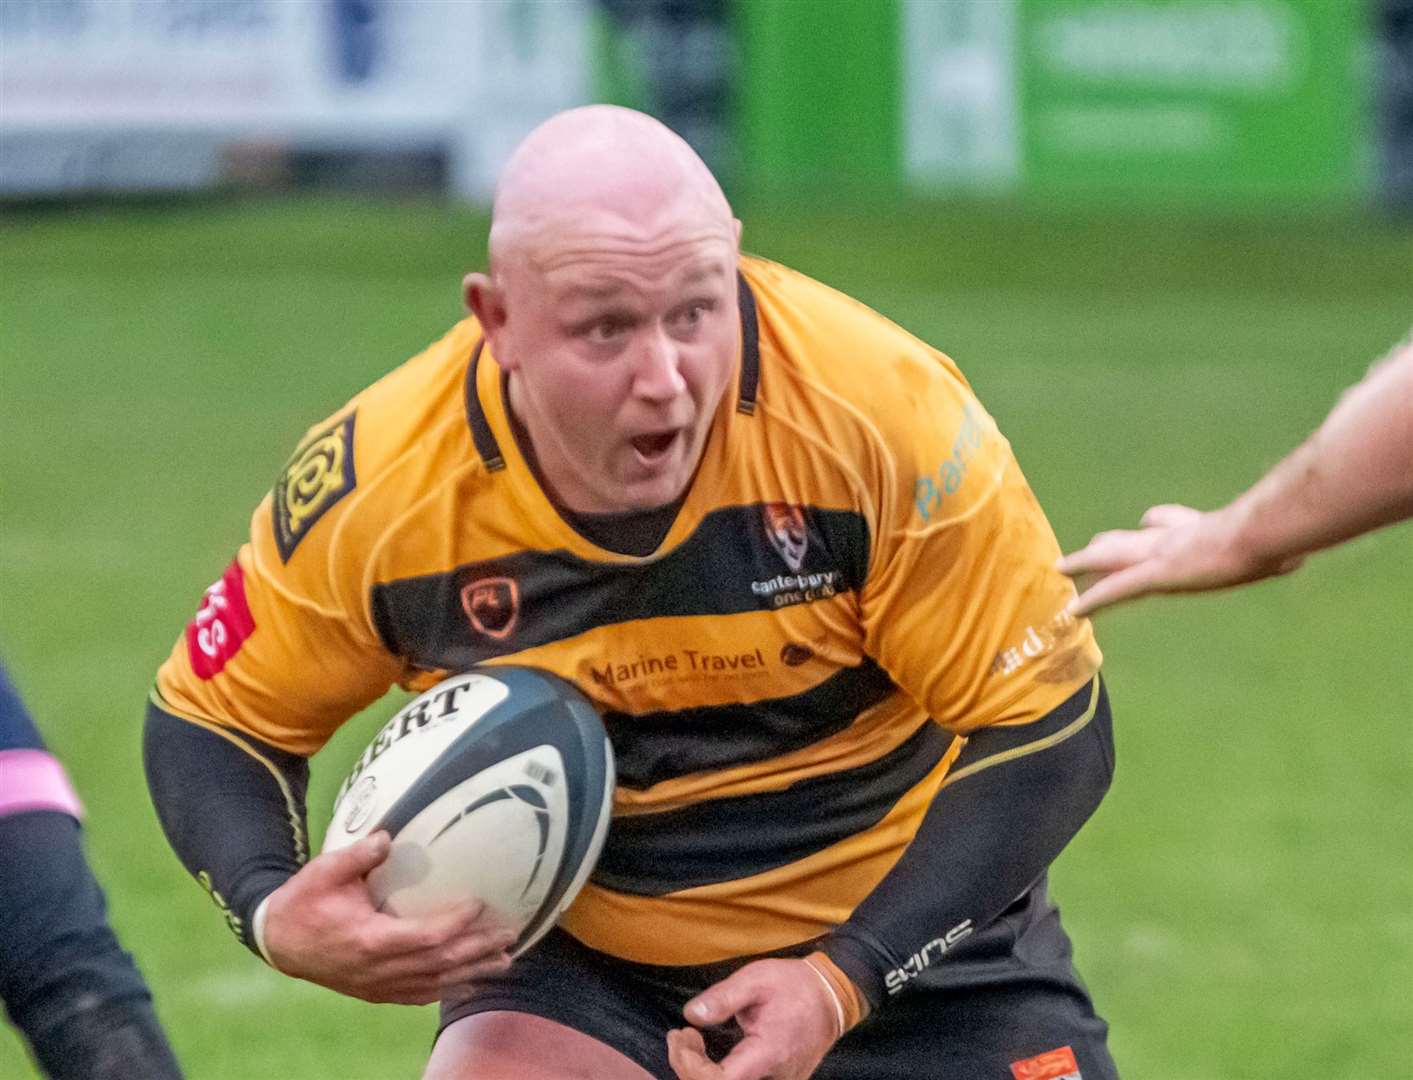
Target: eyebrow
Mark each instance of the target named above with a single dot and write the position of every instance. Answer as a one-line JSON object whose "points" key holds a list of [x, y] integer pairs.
{"points": [[609, 291]]}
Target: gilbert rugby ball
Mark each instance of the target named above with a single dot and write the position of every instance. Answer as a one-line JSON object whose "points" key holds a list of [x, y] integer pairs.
{"points": [[496, 785]]}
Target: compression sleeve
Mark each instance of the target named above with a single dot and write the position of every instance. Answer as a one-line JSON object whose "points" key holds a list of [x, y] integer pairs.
{"points": [[232, 808], [1014, 798]]}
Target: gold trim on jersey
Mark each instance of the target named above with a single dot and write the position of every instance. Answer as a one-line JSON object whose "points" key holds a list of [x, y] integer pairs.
{"points": [[1072, 728]]}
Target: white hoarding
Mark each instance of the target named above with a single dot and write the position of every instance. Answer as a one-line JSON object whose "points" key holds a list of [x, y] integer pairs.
{"points": [[470, 74]]}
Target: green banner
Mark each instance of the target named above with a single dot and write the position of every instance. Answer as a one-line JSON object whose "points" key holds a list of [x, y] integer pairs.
{"points": [[1239, 100], [817, 98]]}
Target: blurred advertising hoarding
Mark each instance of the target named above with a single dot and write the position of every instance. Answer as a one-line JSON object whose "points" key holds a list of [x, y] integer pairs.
{"points": [[103, 94], [1235, 100]]}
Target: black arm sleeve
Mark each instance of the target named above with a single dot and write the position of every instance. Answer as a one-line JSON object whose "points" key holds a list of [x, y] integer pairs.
{"points": [[1013, 800], [232, 808]]}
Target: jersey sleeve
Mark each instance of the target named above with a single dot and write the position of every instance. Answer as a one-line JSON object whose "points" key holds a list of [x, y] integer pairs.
{"points": [[283, 647], [963, 605]]}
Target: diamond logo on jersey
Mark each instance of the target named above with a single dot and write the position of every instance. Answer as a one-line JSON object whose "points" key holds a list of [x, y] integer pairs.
{"points": [[785, 528], [318, 475], [1051, 1065], [221, 626], [493, 606]]}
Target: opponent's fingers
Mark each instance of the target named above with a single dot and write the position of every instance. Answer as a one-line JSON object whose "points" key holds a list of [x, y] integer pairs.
{"points": [[1125, 584], [686, 1053], [1166, 515], [1107, 552]]}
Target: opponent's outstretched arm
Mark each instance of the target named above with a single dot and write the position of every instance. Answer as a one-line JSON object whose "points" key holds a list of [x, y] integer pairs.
{"points": [[1353, 475]]}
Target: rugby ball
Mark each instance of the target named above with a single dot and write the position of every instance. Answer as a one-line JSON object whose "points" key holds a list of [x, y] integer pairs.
{"points": [[496, 784]]}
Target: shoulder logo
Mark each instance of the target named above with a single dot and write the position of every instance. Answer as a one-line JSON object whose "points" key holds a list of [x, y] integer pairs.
{"points": [[318, 475], [785, 529], [493, 606]]}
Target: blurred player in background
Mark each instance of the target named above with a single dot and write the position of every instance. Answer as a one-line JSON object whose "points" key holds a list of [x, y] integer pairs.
{"points": [[788, 554], [1353, 475], [75, 995]]}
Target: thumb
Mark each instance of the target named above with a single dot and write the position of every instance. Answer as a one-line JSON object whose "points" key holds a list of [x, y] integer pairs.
{"points": [[720, 1003], [355, 861]]}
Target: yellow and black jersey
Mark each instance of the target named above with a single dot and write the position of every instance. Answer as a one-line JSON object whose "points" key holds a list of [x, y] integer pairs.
{"points": [[857, 578]]}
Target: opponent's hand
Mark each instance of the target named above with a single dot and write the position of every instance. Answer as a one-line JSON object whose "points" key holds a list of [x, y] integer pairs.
{"points": [[787, 1013], [321, 925], [1179, 549]]}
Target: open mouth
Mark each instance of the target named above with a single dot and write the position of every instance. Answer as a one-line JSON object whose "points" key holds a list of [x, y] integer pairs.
{"points": [[655, 446]]}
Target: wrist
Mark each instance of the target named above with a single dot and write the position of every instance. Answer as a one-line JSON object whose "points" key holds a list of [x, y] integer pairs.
{"points": [[850, 1005]]}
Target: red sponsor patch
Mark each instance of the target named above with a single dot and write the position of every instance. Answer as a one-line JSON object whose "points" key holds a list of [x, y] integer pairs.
{"points": [[1051, 1065], [221, 626]]}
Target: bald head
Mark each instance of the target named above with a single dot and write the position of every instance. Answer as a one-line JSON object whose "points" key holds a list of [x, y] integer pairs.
{"points": [[612, 306], [621, 174]]}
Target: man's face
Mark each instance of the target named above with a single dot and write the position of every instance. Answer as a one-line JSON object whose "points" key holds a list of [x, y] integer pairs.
{"points": [[619, 349]]}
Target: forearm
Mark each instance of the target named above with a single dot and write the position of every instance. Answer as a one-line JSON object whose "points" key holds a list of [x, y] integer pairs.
{"points": [[232, 808], [1016, 798], [1355, 473]]}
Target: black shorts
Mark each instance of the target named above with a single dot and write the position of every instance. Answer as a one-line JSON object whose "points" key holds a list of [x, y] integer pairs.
{"points": [[1005, 995]]}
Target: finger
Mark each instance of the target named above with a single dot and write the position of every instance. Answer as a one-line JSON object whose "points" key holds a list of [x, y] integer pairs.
{"points": [[686, 1053], [353, 862], [438, 971], [1107, 552], [721, 1002], [400, 934], [1167, 515], [1127, 584], [435, 960]]}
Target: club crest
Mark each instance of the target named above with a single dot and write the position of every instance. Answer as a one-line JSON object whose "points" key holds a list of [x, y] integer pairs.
{"points": [[493, 606], [785, 529], [318, 475]]}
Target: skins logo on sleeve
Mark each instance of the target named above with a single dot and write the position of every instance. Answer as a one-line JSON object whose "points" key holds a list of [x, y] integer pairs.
{"points": [[221, 626], [318, 475]]}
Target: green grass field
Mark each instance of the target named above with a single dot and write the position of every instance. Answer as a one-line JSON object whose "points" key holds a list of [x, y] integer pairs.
{"points": [[1242, 904]]}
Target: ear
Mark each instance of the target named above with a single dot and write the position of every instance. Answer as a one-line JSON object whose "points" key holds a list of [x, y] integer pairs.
{"points": [[485, 300]]}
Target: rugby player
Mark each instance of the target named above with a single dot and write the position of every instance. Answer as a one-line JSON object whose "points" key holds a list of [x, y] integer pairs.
{"points": [[1353, 475], [75, 995], [792, 559]]}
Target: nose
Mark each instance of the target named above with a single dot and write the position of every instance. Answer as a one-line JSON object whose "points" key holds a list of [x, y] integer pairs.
{"points": [[658, 375]]}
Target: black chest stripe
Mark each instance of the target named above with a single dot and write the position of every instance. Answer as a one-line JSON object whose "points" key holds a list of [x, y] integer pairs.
{"points": [[729, 565], [652, 747], [729, 839]]}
